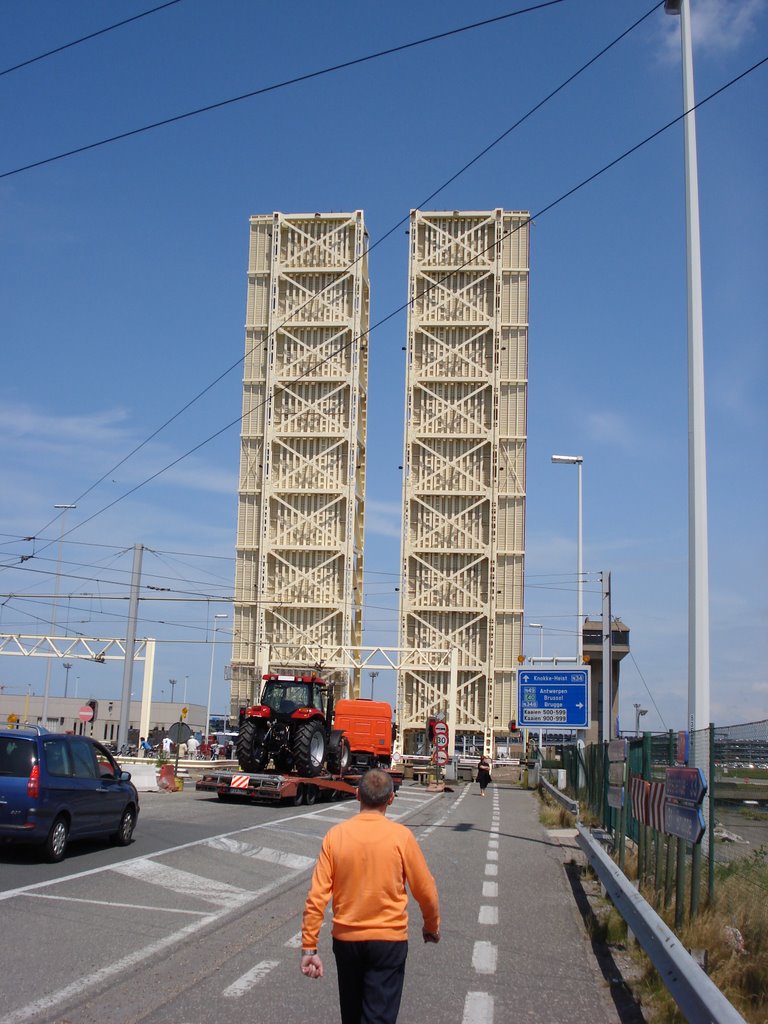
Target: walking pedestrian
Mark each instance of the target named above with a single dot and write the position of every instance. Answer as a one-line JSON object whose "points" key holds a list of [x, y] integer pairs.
{"points": [[363, 866], [192, 746], [483, 774]]}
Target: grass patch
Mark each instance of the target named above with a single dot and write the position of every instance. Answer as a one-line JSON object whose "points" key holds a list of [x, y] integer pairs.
{"points": [[552, 814], [734, 933]]}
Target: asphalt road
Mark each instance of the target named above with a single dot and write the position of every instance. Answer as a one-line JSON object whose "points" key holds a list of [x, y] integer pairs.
{"points": [[199, 919]]}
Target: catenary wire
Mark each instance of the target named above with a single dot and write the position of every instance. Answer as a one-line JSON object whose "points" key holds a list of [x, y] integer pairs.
{"points": [[308, 76], [403, 220], [84, 39], [399, 309]]}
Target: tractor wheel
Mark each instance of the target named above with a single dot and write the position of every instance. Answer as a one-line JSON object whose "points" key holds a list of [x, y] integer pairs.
{"points": [[309, 748], [252, 750], [339, 754]]}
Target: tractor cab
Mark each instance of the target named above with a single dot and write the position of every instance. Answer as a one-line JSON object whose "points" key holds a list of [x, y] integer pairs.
{"points": [[284, 697]]}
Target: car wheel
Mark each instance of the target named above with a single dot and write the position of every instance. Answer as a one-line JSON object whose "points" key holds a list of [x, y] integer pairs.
{"points": [[124, 834], [56, 843]]}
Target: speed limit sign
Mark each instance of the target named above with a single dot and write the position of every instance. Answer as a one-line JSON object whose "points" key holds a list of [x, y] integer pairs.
{"points": [[441, 740]]}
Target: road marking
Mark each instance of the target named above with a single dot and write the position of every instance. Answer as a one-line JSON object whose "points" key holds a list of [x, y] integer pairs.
{"points": [[478, 1008], [110, 903], [488, 915], [484, 958], [247, 981], [287, 860], [491, 869], [490, 890], [493, 844], [493, 855], [302, 816], [185, 883]]}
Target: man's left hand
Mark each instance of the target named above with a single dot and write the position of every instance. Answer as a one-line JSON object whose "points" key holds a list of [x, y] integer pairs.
{"points": [[312, 966]]}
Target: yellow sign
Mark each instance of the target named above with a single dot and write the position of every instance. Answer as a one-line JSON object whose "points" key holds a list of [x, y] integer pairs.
{"points": [[184, 712], [12, 719]]}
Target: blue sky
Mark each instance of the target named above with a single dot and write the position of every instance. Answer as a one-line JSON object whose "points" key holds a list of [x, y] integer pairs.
{"points": [[122, 296]]}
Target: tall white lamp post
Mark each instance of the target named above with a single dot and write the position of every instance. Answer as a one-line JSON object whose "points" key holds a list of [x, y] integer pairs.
{"points": [[698, 557], [219, 615], [47, 686], [540, 627], [577, 460]]}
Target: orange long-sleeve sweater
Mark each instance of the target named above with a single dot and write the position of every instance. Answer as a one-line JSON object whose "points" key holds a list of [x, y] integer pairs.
{"points": [[364, 865]]}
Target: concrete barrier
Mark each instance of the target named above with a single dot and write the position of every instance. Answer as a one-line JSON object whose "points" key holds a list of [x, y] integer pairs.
{"points": [[144, 777]]}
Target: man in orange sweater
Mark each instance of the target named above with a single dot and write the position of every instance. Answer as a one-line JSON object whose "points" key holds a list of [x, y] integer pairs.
{"points": [[364, 864]]}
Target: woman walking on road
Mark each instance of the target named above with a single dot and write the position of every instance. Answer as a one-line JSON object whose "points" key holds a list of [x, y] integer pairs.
{"points": [[483, 774]]}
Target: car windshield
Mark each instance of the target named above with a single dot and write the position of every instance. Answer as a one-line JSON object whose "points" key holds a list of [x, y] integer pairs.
{"points": [[17, 756]]}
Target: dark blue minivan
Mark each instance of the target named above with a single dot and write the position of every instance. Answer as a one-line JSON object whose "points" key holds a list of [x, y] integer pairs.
{"points": [[56, 787]]}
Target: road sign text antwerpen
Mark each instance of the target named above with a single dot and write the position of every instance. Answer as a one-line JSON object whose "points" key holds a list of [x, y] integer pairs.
{"points": [[549, 697]]}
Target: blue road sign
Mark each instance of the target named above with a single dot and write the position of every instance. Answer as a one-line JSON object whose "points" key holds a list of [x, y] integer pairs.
{"points": [[683, 821], [547, 697], [686, 784]]}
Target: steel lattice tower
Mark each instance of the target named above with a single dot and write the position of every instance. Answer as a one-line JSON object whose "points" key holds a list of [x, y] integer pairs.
{"points": [[464, 470], [302, 463]]}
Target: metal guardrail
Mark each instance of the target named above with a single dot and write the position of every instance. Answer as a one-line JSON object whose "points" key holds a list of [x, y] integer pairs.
{"points": [[699, 999], [566, 801]]}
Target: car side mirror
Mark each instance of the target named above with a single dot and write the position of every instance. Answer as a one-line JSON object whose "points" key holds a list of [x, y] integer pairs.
{"points": [[125, 776]]}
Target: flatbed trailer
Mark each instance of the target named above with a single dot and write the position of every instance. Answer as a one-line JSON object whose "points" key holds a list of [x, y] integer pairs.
{"points": [[275, 787]]}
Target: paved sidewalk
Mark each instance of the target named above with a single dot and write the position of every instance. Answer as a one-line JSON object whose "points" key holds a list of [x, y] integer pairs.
{"points": [[515, 945]]}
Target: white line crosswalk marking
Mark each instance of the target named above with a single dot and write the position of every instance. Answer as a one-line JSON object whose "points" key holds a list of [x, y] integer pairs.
{"points": [[294, 861], [184, 882], [246, 981]]}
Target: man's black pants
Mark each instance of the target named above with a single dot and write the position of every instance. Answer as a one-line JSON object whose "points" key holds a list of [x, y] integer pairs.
{"points": [[371, 976]]}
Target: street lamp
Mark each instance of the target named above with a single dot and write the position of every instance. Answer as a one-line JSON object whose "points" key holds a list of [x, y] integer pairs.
{"points": [[374, 676], [577, 460], [67, 665], [698, 558], [172, 684], [47, 685], [539, 626], [638, 714], [219, 615]]}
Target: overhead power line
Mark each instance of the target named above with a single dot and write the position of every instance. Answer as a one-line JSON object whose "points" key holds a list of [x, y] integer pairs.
{"points": [[381, 239], [308, 76], [399, 309], [84, 39]]}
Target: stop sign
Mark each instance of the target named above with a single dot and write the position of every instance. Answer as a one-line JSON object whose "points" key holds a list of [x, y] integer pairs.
{"points": [[85, 714]]}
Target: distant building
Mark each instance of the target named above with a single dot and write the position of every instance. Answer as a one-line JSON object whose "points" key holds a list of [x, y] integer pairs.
{"points": [[593, 647]]}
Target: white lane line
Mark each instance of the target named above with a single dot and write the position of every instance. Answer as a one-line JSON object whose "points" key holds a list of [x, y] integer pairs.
{"points": [[295, 861], [118, 968], [493, 844], [490, 890], [484, 958], [488, 915], [9, 894], [478, 1008], [491, 869], [247, 981], [184, 882], [493, 855], [294, 942], [110, 903]]}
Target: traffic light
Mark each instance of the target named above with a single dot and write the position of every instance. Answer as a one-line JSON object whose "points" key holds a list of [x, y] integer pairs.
{"points": [[431, 729], [94, 705]]}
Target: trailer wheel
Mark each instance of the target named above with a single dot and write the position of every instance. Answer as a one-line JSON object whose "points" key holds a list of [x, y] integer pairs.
{"points": [[310, 795], [252, 750], [298, 799], [309, 748]]}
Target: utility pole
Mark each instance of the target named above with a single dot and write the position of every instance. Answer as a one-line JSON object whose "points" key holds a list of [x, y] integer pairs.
{"points": [[67, 665], [130, 644]]}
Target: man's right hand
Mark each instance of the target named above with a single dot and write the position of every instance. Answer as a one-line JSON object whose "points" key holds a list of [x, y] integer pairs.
{"points": [[430, 936]]}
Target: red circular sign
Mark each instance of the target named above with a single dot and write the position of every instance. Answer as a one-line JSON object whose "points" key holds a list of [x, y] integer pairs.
{"points": [[85, 714]]}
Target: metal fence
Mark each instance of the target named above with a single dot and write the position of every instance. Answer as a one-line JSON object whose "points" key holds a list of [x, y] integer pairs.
{"points": [[734, 844]]}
